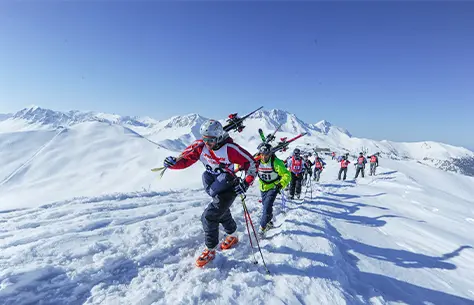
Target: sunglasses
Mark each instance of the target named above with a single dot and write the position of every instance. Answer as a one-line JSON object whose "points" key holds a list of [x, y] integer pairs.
{"points": [[209, 139]]}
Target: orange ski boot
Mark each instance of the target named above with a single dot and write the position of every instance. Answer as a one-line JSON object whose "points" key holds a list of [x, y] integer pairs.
{"points": [[228, 242], [206, 256]]}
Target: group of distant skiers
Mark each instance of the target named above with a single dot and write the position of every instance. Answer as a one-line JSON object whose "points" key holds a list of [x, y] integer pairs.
{"points": [[359, 165], [218, 152], [301, 170]]}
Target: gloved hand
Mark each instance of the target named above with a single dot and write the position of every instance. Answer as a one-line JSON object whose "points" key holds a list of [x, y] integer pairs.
{"points": [[278, 187], [241, 187], [169, 161]]}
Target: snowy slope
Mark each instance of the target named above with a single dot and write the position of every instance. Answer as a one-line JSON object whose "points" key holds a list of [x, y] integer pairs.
{"points": [[84, 221], [402, 237], [89, 158]]}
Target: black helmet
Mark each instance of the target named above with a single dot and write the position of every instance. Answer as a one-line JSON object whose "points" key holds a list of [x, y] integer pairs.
{"points": [[360, 153], [296, 151], [265, 149]]}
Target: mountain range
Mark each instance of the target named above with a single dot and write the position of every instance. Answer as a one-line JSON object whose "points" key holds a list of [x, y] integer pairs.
{"points": [[177, 132]]}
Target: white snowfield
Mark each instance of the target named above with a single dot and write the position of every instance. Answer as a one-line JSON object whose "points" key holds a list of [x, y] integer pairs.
{"points": [[83, 220], [396, 238]]}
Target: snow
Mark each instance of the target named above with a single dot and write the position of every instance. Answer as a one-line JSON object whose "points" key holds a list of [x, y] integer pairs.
{"points": [[87, 159], [83, 220]]}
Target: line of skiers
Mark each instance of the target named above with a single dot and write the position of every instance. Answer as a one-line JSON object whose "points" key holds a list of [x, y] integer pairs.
{"points": [[218, 153], [301, 170], [359, 165]]}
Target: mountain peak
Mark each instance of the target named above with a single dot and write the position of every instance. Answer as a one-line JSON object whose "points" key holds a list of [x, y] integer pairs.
{"points": [[187, 120], [36, 115], [275, 114], [324, 126], [32, 107]]}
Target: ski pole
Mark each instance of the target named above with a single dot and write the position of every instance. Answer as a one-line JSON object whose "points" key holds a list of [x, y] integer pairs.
{"points": [[306, 186], [283, 201], [242, 197], [248, 230]]}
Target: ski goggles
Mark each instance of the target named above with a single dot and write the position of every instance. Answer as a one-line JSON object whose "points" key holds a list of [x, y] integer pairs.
{"points": [[265, 152], [209, 140]]}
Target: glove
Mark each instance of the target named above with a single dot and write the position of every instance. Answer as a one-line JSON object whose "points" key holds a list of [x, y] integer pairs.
{"points": [[169, 161], [278, 187], [241, 187]]}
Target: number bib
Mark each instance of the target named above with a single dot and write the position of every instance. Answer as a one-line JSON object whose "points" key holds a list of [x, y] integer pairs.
{"points": [[266, 173], [213, 160]]}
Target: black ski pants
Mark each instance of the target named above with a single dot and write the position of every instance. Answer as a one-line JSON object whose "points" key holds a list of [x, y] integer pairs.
{"points": [[373, 167], [295, 184], [217, 212], [359, 169], [342, 170]]}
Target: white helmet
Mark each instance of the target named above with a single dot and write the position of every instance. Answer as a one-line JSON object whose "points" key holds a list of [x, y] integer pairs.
{"points": [[213, 129]]}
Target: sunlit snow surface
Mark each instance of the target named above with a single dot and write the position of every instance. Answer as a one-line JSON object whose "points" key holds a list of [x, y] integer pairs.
{"points": [[390, 239], [83, 220]]}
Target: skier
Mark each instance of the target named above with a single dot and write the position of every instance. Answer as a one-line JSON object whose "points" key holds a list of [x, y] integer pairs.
{"points": [[218, 152], [344, 163], [295, 163], [319, 165], [333, 155], [273, 176], [308, 171], [374, 163], [360, 165]]}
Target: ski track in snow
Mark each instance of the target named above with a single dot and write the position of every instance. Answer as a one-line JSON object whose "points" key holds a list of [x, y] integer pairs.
{"points": [[29, 160], [140, 248]]}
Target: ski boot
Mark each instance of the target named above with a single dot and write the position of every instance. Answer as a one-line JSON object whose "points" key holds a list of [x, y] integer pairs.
{"points": [[206, 256], [229, 242], [263, 230]]}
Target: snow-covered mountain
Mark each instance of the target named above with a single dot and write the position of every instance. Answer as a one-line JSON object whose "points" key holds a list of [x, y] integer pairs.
{"points": [[35, 117], [177, 132], [174, 133], [4, 116]]}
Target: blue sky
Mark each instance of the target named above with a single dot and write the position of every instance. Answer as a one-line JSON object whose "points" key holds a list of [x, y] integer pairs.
{"points": [[398, 71]]}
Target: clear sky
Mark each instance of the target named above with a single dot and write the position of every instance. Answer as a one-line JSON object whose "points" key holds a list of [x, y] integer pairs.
{"points": [[400, 71]]}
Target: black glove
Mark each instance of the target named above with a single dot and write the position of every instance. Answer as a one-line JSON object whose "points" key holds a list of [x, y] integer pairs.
{"points": [[278, 187], [241, 187], [169, 161]]}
